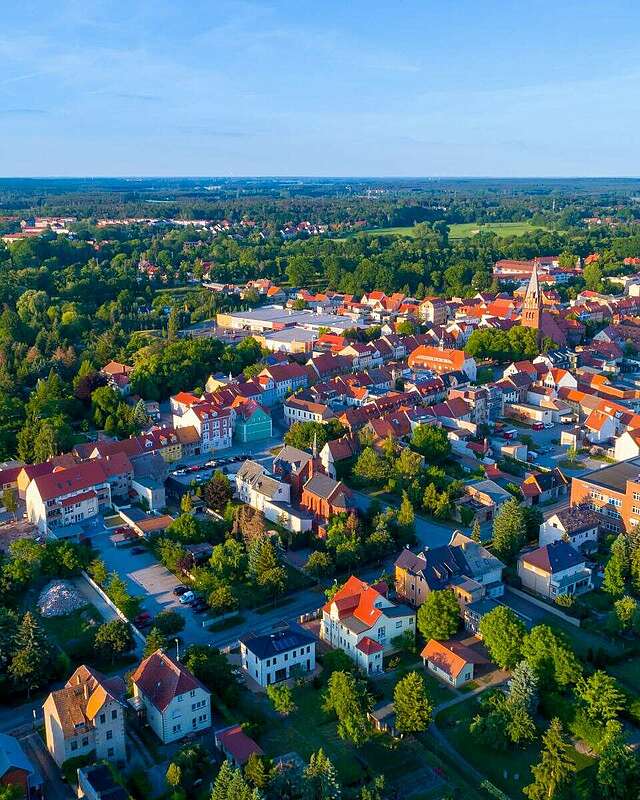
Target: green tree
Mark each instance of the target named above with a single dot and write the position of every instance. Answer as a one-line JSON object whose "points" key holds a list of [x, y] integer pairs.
{"points": [[156, 640], [98, 571], [320, 779], [113, 639], [173, 775], [9, 501], [523, 687], [412, 706], [617, 570], [503, 632], [217, 491], [117, 591], [222, 600], [509, 531], [625, 613], [319, 564], [432, 443], [349, 703], [439, 615], [550, 657], [211, 667], [256, 771], [406, 515], [618, 775], [476, 534], [371, 467], [32, 659], [169, 622], [601, 696], [554, 774], [281, 698]]}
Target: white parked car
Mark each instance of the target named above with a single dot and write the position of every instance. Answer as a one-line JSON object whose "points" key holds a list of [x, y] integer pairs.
{"points": [[186, 598], [548, 425]]}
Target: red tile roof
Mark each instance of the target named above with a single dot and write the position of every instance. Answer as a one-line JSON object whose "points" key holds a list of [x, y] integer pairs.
{"points": [[369, 646], [161, 679]]}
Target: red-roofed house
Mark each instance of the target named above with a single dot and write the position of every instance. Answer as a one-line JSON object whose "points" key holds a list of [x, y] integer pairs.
{"points": [[236, 745], [441, 360], [174, 702], [363, 622], [68, 496], [451, 661]]}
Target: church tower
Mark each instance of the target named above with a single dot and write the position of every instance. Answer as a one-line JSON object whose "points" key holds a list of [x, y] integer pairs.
{"points": [[532, 307]]}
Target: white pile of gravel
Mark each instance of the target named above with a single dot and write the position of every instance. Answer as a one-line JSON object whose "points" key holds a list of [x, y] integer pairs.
{"points": [[60, 598]]}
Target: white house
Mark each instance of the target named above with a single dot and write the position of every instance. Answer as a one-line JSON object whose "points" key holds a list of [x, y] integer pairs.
{"points": [[554, 569], [297, 409], [272, 497], [86, 716], [578, 525], [363, 622], [277, 656], [627, 445], [68, 496], [600, 427], [174, 702], [451, 661]]}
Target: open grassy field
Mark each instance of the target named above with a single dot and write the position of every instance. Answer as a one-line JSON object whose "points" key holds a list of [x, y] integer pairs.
{"points": [[509, 771], [460, 230], [502, 229]]}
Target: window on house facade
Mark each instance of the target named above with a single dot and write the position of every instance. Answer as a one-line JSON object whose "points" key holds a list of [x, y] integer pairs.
{"points": [[109, 735], [114, 714], [74, 745], [110, 752], [103, 718]]}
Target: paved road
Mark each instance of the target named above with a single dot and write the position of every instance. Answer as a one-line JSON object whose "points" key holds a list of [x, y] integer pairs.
{"points": [[38, 754]]}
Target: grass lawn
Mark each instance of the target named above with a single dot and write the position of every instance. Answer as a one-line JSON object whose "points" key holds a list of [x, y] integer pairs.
{"points": [[438, 691], [583, 640], [502, 229], [72, 627], [509, 771], [628, 673]]}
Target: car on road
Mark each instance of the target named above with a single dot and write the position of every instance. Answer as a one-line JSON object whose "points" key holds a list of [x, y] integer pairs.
{"points": [[180, 590], [211, 464], [187, 598], [510, 434]]}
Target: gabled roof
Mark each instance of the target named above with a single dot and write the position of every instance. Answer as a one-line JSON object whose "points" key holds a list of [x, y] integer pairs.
{"points": [[451, 657], [554, 557], [161, 679], [236, 742]]}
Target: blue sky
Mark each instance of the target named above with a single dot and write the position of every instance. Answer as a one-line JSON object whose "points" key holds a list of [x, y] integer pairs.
{"points": [[362, 87]]}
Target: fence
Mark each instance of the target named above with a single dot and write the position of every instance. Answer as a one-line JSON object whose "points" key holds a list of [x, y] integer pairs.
{"points": [[139, 636], [546, 606]]}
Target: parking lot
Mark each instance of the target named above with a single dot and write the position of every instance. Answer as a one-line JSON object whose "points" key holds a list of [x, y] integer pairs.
{"points": [[145, 577]]}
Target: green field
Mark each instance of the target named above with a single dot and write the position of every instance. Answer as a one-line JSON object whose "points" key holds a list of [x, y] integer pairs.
{"points": [[462, 230], [502, 229], [509, 771]]}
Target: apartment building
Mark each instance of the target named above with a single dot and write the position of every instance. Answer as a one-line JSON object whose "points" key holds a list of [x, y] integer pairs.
{"points": [[441, 360], [274, 657], [68, 496], [86, 716], [363, 622], [613, 493], [174, 702]]}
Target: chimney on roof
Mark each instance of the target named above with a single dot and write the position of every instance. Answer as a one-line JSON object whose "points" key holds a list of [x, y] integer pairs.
{"points": [[85, 691]]}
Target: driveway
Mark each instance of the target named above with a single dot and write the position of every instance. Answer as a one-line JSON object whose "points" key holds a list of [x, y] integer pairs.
{"points": [[146, 577]]}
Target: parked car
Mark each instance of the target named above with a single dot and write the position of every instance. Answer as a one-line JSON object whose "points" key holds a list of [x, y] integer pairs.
{"points": [[532, 455], [187, 598], [537, 426], [122, 529], [180, 590], [510, 434]]}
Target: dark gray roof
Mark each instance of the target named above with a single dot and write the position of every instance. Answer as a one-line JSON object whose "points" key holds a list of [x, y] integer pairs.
{"points": [[614, 477], [321, 485], [554, 557], [272, 644], [577, 519]]}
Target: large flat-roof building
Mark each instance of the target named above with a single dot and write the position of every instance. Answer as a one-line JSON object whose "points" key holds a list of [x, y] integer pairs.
{"points": [[612, 492], [276, 318]]}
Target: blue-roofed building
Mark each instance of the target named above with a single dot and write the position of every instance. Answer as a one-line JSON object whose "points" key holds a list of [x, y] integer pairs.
{"points": [[17, 770], [275, 657]]}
